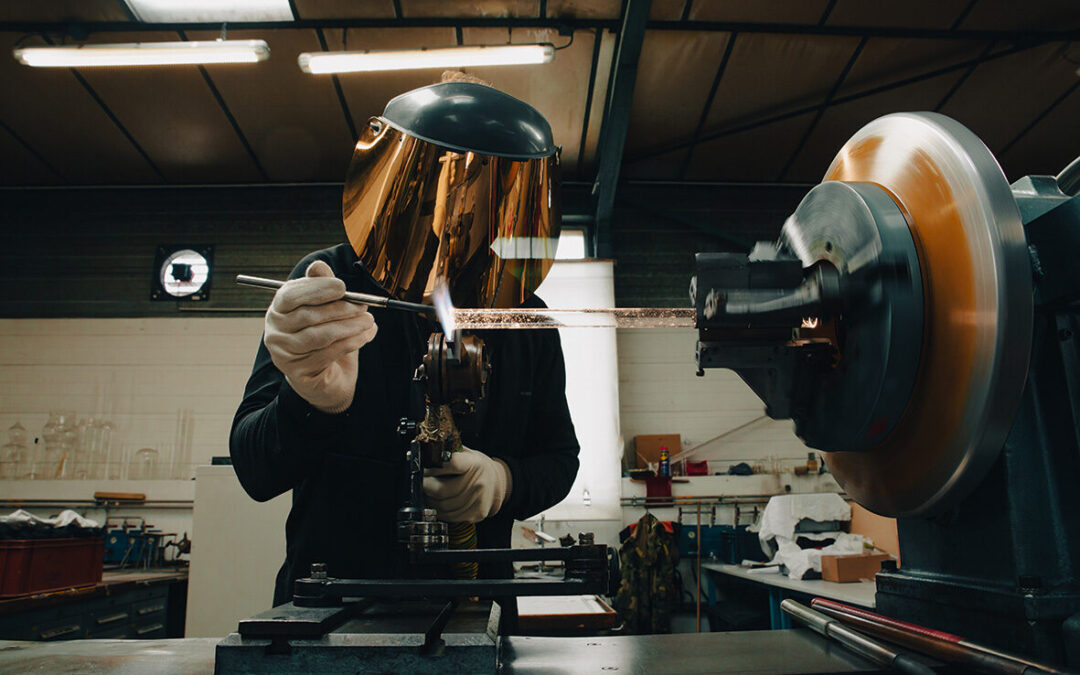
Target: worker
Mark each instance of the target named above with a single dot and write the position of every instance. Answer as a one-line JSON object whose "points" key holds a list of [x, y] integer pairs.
{"points": [[331, 381]]}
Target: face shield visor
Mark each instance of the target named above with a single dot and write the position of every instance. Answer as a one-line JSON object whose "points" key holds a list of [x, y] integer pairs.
{"points": [[455, 181]]}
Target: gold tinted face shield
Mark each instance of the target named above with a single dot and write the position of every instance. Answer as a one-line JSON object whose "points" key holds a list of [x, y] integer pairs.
{"points": [[417, 211]]}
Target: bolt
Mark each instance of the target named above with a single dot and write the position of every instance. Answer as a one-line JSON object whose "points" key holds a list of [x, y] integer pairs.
{"points": [[318, 570]]}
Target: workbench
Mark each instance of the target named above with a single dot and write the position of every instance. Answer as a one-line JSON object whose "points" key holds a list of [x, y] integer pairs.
{"points": [[124, 604], [780, 586], [799, 652]]}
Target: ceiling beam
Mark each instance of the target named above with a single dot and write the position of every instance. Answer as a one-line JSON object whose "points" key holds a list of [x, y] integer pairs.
{"points": [[1018, 35], [617, 120], [1041, 116], [708, 103], [116, 120], [338, 91], [780, 117], [828, 11], [598, 37], [963, 78], [37, 155], [821, 111], [229, 116], [963, 14]]}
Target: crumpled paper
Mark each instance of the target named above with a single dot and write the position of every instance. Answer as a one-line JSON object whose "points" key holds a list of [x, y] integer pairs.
{"points": [[63, 519]]}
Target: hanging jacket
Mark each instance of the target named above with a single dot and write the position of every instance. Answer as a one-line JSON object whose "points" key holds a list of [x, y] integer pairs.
{"points": [[647, 595]]}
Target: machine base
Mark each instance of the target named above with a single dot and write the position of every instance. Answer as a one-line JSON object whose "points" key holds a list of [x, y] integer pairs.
{"points": [[1023, 621], [382, 638]]}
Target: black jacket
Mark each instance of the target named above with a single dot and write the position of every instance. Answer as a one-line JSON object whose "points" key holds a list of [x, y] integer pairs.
{"points": [[347, 472]]}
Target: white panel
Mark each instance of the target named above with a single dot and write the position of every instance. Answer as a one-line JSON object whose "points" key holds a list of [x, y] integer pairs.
{"points": [[236, 559], [592, 391]]}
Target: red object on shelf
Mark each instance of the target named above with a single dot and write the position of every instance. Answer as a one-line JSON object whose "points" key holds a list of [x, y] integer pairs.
{"points": [[659, 486], [33, 565], [697, 468]]}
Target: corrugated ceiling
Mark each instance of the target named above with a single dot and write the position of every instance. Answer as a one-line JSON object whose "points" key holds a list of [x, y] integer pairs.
{"points": [[727, 90]]}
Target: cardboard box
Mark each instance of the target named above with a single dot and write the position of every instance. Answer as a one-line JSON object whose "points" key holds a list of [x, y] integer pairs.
{"points": [[878, 529], [854, 567], [647, 447]]}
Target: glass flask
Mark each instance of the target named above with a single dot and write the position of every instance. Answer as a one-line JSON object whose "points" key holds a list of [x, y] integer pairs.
{"points": [[15, 455]]}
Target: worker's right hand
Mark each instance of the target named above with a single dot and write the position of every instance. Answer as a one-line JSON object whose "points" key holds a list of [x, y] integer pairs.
{"points": [[313, 337]]}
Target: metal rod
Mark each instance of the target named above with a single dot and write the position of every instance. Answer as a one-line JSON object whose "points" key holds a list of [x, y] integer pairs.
{"points": [[936, 644], [451, 555], [698, 582], [855, 641], [438, 588], [774, 28], [614, 317], [350, 296]]}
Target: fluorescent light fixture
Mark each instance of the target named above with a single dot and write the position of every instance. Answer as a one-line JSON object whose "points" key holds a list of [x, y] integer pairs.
{"points": [[448, 57], [209, 11], [145, 54]]}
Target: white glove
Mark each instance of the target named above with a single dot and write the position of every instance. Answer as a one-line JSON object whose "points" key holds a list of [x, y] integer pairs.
{"points": [[469, 488], [313, 337]]}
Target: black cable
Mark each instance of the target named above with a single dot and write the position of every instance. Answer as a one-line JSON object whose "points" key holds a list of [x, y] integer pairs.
{"points": [[568, 43]]}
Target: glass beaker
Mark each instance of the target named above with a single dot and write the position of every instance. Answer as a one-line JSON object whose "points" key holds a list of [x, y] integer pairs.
{"points": [[15, 455], [60, 435], [144, 464]]}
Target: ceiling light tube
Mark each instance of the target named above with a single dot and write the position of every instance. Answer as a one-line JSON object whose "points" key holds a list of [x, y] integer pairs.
{"points": [[449, 57], [145, 54]]}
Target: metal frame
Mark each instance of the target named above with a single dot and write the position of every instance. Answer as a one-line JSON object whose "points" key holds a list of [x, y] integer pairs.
{"points": [[825, 105], [1026, 36], [617, 120], [229, 116], [780, 117]]}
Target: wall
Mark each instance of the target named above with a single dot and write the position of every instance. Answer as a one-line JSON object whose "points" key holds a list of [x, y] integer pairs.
{"points": [[658, 227], [660, 393], [90, 252], [138, 373]]}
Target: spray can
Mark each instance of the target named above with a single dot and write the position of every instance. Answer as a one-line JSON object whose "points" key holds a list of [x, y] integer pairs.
{"points": [[665, 463]]}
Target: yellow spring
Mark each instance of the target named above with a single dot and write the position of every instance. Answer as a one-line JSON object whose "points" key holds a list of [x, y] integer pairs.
{"points": [[463, 536]]}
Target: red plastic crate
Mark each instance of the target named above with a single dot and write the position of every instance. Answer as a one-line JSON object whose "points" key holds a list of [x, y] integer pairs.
{"points": [[33, 565]]}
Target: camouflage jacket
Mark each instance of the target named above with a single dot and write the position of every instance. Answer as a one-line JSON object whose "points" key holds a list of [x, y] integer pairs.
{"points": [[647, 593]]}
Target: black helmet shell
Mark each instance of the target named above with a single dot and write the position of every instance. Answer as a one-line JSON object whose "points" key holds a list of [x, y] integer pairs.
{"points": [[469, 117]]}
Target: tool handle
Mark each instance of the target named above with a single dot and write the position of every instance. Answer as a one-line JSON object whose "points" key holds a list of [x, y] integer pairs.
{"points": [[350, 296]]}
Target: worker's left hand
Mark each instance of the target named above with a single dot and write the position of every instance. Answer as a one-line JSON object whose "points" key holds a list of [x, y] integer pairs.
{"points": [[468, 488]]}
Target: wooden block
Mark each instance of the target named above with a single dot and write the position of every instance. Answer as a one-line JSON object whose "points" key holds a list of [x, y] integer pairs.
{"points": [[854, 567], [120, 496]]}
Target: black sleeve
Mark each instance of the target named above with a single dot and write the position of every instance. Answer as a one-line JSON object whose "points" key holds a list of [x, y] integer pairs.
{"points": [[277, 436], [542, 476]]}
